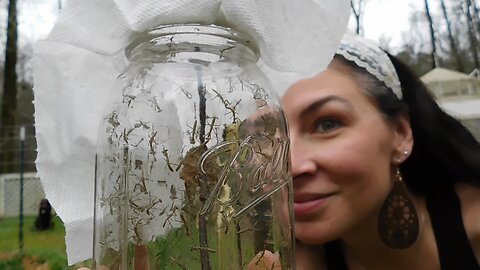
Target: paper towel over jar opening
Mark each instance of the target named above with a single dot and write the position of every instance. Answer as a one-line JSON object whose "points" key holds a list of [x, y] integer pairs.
{"points": [[75, 65]]}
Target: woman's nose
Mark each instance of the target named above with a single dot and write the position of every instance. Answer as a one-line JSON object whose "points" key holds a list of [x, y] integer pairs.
{"points": [[302, 156]]}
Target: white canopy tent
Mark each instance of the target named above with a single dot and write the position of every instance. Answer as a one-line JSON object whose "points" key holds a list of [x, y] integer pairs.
{"points": [[465, 110], [461, 108], [444, 83], [475, 73], [458, 94]]}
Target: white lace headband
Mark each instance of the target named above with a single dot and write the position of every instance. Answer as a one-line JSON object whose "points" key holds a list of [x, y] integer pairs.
{"points": [[369, 56]]}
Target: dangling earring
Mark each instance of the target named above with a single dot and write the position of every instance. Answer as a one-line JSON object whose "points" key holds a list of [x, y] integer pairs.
{"points": [[398, 220]]}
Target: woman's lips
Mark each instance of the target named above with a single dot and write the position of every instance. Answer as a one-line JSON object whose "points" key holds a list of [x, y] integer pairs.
{"points": [[305, 205]]}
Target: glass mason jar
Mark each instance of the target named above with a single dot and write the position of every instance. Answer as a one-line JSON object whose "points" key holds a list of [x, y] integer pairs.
{"points": [[192, 167]]}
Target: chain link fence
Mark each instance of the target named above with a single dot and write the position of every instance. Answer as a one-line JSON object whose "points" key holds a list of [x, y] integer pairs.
{"points": [[10, 194], [15, 150], [17, 161]]}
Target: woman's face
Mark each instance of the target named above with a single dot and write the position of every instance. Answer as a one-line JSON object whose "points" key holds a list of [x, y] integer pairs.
{"points": [[342, 151]]}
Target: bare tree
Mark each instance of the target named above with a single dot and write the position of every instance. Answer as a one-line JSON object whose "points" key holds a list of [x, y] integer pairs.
{"points": [[3, 29], [416, 43], [471, 33], [9, 100], [453, 46], [476, 17], [432, 36], [357, 10]]}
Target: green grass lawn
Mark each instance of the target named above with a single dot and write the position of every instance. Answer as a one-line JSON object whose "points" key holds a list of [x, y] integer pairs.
{"points": [[49, 246], [176, 250], [44, 246]]}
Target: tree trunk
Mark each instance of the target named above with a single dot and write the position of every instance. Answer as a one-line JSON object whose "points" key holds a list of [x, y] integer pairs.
{"points": [[9, 100], [471, 34], [356, 14], [453, 46], [432, 36], [357, 10], [477, 17]]}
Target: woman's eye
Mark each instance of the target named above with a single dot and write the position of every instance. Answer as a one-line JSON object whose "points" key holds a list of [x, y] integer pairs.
{"points": [[327, 125]]}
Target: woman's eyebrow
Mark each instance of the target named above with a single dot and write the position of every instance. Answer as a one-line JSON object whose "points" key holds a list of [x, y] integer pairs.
{"points": [[324, 100]]}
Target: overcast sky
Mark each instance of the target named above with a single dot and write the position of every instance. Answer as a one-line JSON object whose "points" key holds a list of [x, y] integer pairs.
{"points": [[388, 18], [382, 17]]}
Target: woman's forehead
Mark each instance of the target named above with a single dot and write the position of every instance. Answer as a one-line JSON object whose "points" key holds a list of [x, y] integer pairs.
{"points": [[331, 81]]}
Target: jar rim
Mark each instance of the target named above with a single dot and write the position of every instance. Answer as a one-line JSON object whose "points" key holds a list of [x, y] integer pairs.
{"points": [[192, 28]]}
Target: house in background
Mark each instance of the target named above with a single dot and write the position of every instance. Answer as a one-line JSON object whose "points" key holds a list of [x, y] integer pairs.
{"points": [[458, 94]]}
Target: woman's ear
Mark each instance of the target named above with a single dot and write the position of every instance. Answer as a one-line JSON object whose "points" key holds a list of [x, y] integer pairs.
{"points": [[403, 139]]}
